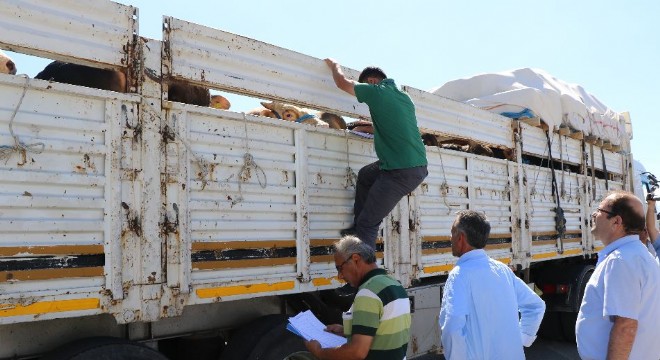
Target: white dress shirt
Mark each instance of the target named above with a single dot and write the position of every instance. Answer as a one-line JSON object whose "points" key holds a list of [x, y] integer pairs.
{"points": [[480, 310]]}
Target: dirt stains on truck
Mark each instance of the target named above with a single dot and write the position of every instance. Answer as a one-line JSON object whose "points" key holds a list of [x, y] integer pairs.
{"points": [[133, 223]]}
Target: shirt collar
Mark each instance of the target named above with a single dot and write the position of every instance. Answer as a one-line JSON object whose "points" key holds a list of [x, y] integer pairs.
{"points": [[472, 255], [607, 250], [386, 82], [371, 274]]}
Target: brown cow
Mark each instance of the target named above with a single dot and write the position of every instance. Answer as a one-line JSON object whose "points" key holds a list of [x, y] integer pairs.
{"points": [[82, 75], [469, 146], [115, 80], [290, 112], [7, 65], [220, 102], [334, 121]]}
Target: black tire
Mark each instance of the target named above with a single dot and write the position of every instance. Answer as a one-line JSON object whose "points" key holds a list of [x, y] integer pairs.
{"points": [[277, 344], [104, 348], [568, 319], [198, 347], [243, 341]]}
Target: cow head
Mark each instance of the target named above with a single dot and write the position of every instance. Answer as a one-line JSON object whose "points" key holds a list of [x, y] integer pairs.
{"points": [[7, 65]]}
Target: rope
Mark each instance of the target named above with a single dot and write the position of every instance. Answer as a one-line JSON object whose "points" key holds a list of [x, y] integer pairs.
{"points": [[561, 162], [602, 156], [560, 219], [248, 166], [444, 187], [19, 147], [350, 179], [204, 165]]}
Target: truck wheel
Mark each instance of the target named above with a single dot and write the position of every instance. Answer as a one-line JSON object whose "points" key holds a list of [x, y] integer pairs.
{"points": [[568, 319], [198, 347], [241, 343], [278, 344], [104, 348]]}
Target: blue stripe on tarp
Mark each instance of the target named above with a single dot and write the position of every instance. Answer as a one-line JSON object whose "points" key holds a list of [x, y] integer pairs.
{"points": [[527, 113]]}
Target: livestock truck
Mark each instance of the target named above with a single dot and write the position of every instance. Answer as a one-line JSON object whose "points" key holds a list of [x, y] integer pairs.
{"points": [[134, 224]]}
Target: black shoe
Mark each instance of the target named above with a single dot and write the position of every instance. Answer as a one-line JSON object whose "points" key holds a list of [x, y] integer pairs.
{"points": [[350, 231]]}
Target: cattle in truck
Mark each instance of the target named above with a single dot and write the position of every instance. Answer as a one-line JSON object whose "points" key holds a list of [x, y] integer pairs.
{"points": [[7, 65]]}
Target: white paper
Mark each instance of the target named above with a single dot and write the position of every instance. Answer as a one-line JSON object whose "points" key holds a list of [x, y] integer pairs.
{"points": [[310, 328]]}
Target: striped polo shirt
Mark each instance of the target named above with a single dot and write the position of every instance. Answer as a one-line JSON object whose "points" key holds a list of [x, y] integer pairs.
{"points": [[381, 309]]}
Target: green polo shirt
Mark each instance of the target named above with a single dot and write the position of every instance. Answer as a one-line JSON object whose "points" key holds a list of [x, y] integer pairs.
{"points": [[381, 309], [397, 139]]}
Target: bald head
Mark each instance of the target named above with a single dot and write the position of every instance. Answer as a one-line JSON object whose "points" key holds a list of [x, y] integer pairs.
{"points": [[629, 208]]}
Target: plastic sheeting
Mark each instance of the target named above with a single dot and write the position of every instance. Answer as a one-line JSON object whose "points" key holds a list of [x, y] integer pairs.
{"points": [[534, 92]]}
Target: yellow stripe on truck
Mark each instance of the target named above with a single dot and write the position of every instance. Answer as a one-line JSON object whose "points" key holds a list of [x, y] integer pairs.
{"points": [[441, 268], [44, 307], [554, 253], [323, 281], [244, 289]]}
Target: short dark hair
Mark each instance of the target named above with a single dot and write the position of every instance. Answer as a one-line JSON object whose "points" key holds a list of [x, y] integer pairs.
{"points": [[475, 225], [621, 205], [371, 71], [350, 244]]}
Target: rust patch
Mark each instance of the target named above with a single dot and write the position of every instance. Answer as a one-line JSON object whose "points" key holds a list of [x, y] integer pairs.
{"points": [[137, 128], [226, 245], [213, 265], [46, 274], [396, 227], [133, 222], [170, 227], [52, 250], [167, 134], [413, 343]]}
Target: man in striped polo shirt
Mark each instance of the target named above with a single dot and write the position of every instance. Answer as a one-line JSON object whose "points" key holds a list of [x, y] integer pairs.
{"points": [[378, 323]]}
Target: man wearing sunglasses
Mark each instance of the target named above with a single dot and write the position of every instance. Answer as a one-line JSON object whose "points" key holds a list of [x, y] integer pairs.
{"points": [[378, 323], [620, 309]]}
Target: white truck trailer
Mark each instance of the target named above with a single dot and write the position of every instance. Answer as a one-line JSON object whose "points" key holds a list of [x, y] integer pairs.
{"points": [[128, 216]]}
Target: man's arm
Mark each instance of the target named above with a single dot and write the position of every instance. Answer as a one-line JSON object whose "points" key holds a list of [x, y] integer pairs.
{"points": [[454, 343], [340, 79], [531, 308], [453, 319], [356, 349], [650, 221], [622, 337]]}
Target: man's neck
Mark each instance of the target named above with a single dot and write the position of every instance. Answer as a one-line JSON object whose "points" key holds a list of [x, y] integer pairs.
{"points": [[613, 238]]}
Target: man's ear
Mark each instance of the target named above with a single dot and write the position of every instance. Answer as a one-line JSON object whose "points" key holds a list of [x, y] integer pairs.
{"points": [[462, 241]]}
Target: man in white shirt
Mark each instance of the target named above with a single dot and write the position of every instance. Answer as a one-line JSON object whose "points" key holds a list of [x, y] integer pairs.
{"points": [[620, 310], [483, 298]]}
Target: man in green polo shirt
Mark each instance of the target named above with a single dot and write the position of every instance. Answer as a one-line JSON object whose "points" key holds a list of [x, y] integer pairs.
{"points": [[378, 323], [401, 164]]}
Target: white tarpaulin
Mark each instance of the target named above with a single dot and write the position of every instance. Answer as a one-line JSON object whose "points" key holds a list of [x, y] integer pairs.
{"points": [[533, 92]]}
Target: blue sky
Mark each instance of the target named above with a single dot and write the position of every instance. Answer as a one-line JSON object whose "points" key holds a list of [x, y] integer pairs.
{"points": [[611, 48]]}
